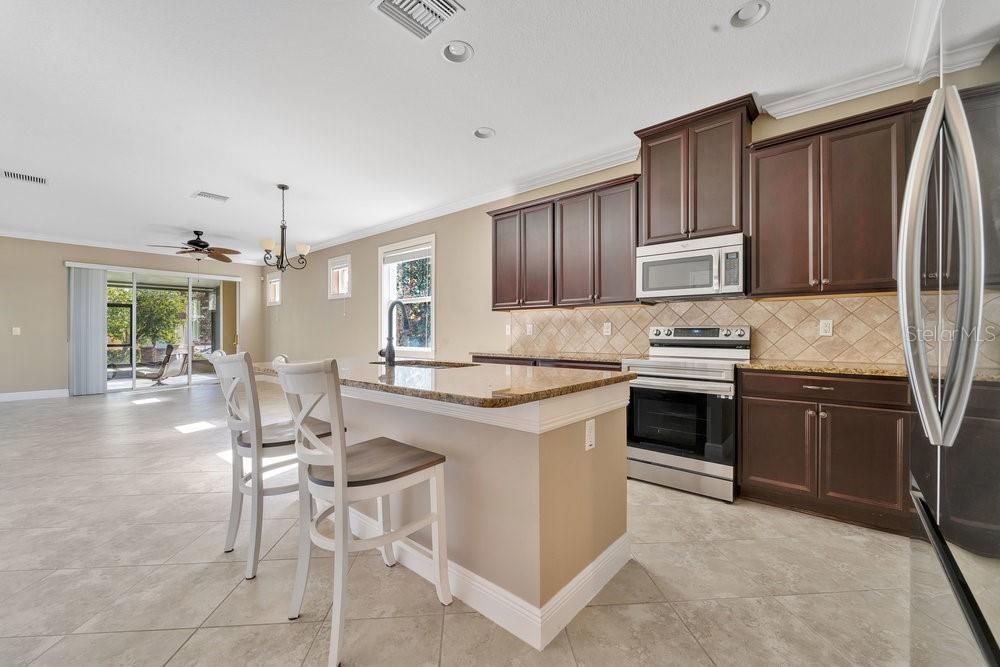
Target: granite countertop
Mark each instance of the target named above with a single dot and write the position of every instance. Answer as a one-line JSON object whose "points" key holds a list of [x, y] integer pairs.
{"points": [[826, 367], [607, 357], [476, 385]]}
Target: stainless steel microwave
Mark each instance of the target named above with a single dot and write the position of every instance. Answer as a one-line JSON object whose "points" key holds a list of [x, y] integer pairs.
{"points": [[698, 267]]}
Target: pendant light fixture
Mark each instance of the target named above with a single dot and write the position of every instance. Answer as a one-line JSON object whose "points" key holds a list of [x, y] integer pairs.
{"points": [[282, 261]]}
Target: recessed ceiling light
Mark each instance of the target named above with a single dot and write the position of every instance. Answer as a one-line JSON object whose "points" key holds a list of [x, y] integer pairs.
{"points": [[484, 132], [458, 51], [750, 13]]}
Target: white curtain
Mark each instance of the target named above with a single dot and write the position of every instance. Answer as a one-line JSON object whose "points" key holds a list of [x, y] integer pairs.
{"points": [[88, 324]]}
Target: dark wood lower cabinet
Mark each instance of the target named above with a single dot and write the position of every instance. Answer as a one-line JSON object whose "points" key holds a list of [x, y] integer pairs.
{"points": [[847, 460]]}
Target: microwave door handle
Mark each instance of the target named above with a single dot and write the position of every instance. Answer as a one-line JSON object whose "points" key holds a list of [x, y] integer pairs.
{"points": [[965, 182], [717, 265], [908, 263]]}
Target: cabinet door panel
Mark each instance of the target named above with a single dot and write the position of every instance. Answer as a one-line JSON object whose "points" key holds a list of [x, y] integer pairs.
{"points": [[716, 150], [614, 256], [506, 260], [784, 214], [863, 179], [778, 447], [863, 456], [537, 270], [575, 250], [664, 213]]}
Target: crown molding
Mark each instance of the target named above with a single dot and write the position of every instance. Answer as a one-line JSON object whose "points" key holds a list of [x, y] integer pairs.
{"points": [[917, 66], [48, 238], [583, 167]]}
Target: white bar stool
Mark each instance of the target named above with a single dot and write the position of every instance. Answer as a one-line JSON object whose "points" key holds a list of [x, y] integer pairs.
{"points": [[252, 441], [331, 471]]}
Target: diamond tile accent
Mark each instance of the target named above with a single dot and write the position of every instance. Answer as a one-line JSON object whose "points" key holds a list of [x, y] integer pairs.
{"points": [[865, 329]]}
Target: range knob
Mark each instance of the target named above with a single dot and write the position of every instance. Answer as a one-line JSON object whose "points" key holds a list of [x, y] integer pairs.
{"points": [[727, 332], [668, 332], [741, 333], [656, 332]]}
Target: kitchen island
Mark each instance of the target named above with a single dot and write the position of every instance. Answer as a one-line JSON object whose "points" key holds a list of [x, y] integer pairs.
{"points": [[534, 479]]}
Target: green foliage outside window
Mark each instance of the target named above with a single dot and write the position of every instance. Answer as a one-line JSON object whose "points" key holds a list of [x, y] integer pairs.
{"points": [[159, 316]]}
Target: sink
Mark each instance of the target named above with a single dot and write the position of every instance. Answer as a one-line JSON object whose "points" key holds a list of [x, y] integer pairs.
{"points": [[417, 363]]}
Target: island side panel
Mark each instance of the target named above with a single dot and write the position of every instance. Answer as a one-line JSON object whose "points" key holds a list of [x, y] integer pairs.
{"points": [[583, 498], [491, 490]]}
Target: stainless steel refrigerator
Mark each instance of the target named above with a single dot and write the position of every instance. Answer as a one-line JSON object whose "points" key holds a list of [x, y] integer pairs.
{"points": [[949, 300]]}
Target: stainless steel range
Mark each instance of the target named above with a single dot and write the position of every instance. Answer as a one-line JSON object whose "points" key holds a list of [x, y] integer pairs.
{"points": [[682, 414]]}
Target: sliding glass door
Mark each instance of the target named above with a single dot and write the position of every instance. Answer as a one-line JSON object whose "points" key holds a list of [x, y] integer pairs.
{"points": [[162, 328]]}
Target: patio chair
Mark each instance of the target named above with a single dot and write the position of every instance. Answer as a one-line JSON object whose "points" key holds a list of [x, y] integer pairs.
{"points": [[171, 366]]}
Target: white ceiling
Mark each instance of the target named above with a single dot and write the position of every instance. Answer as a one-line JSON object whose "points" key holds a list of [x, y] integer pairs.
{"points": [[130, 107]]}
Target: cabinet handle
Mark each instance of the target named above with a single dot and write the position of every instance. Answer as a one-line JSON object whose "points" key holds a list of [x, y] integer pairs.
{"points": [[823, 415], [826, 281], [816, 387], [811, 413], [813, 282], [932, 275]]}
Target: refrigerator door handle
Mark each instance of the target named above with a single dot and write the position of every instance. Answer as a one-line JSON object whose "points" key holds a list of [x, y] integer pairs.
{"points": [[908, 262], [969, 308]]}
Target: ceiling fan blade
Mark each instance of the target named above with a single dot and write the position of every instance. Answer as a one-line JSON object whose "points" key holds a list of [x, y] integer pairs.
{"points": [[219, 258], [187, 251], [224, 251], [153, 245]]}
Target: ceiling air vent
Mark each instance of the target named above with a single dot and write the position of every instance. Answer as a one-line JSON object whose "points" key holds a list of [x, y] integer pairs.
{"points": [[38, 180], [420, 17], [210, 195]]}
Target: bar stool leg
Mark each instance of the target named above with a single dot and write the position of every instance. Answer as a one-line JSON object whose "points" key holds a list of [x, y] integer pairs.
{"points": [[439, 537], [306, 508], [385, 521], [340, 564], [236, 506], [257, 507]]}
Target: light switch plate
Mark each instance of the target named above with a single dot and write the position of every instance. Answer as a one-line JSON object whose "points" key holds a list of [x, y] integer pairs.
{"points": [[15, 331], [530, 329], [606, 330], [826, 327], [590, 437]]}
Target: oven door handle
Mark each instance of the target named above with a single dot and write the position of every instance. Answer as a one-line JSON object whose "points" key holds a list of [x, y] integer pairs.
{"points": [[692, 387]]}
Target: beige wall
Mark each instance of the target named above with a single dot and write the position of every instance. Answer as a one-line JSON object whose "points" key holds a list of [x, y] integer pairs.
{"points": [[34, 297], [309, 326]]}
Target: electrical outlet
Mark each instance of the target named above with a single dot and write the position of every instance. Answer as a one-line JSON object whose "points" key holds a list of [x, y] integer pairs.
{"points": [[506, 329], [531, 329], [826, 327], [590, 437], [607, 329], [15, 331]]}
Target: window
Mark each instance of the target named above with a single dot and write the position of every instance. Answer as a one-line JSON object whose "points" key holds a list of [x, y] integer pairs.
{"points": [[407, 274], [338, 277], [273, 289]]}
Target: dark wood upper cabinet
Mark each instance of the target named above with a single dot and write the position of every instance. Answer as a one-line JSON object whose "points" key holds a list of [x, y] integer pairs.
{"points": [[863, 457], [863, 173], [572, 249], [693, 171], [575, 250], [537, 266], [778, 446], [664, 211], [507, 260], [715, 150], [614, 243], [784, 211]]}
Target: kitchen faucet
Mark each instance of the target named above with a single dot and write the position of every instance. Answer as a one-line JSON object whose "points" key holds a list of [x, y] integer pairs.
{"points": [[390, 352]]}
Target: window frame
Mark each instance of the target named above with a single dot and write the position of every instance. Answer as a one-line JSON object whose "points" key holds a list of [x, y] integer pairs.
{"points": [[383, 301], [337, 263], [273, 277]]}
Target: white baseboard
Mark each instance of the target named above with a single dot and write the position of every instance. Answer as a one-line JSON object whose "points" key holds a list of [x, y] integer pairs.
{"points": [[33, 395], [533, 625]]}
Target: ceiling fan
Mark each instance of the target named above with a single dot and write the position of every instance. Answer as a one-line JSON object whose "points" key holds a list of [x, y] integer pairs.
{"points": [[199, 248]]}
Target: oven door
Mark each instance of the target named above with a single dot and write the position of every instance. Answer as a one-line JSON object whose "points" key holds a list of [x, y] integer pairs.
{"points": [[689, 418], [673, 274]]}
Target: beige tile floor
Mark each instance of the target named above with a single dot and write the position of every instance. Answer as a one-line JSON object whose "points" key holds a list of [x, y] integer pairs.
{"points": [[112, 517]]}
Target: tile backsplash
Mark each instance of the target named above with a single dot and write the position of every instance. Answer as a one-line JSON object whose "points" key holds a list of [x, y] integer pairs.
{"points": [[865, 328]]}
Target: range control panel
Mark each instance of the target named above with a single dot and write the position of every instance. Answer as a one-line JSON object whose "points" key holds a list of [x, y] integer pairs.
{"points": [[737, 332]]}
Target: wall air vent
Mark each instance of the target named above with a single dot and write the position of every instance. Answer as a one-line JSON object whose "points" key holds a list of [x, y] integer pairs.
{"points": [[210, 195], [38, 180], [420, 17]]}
